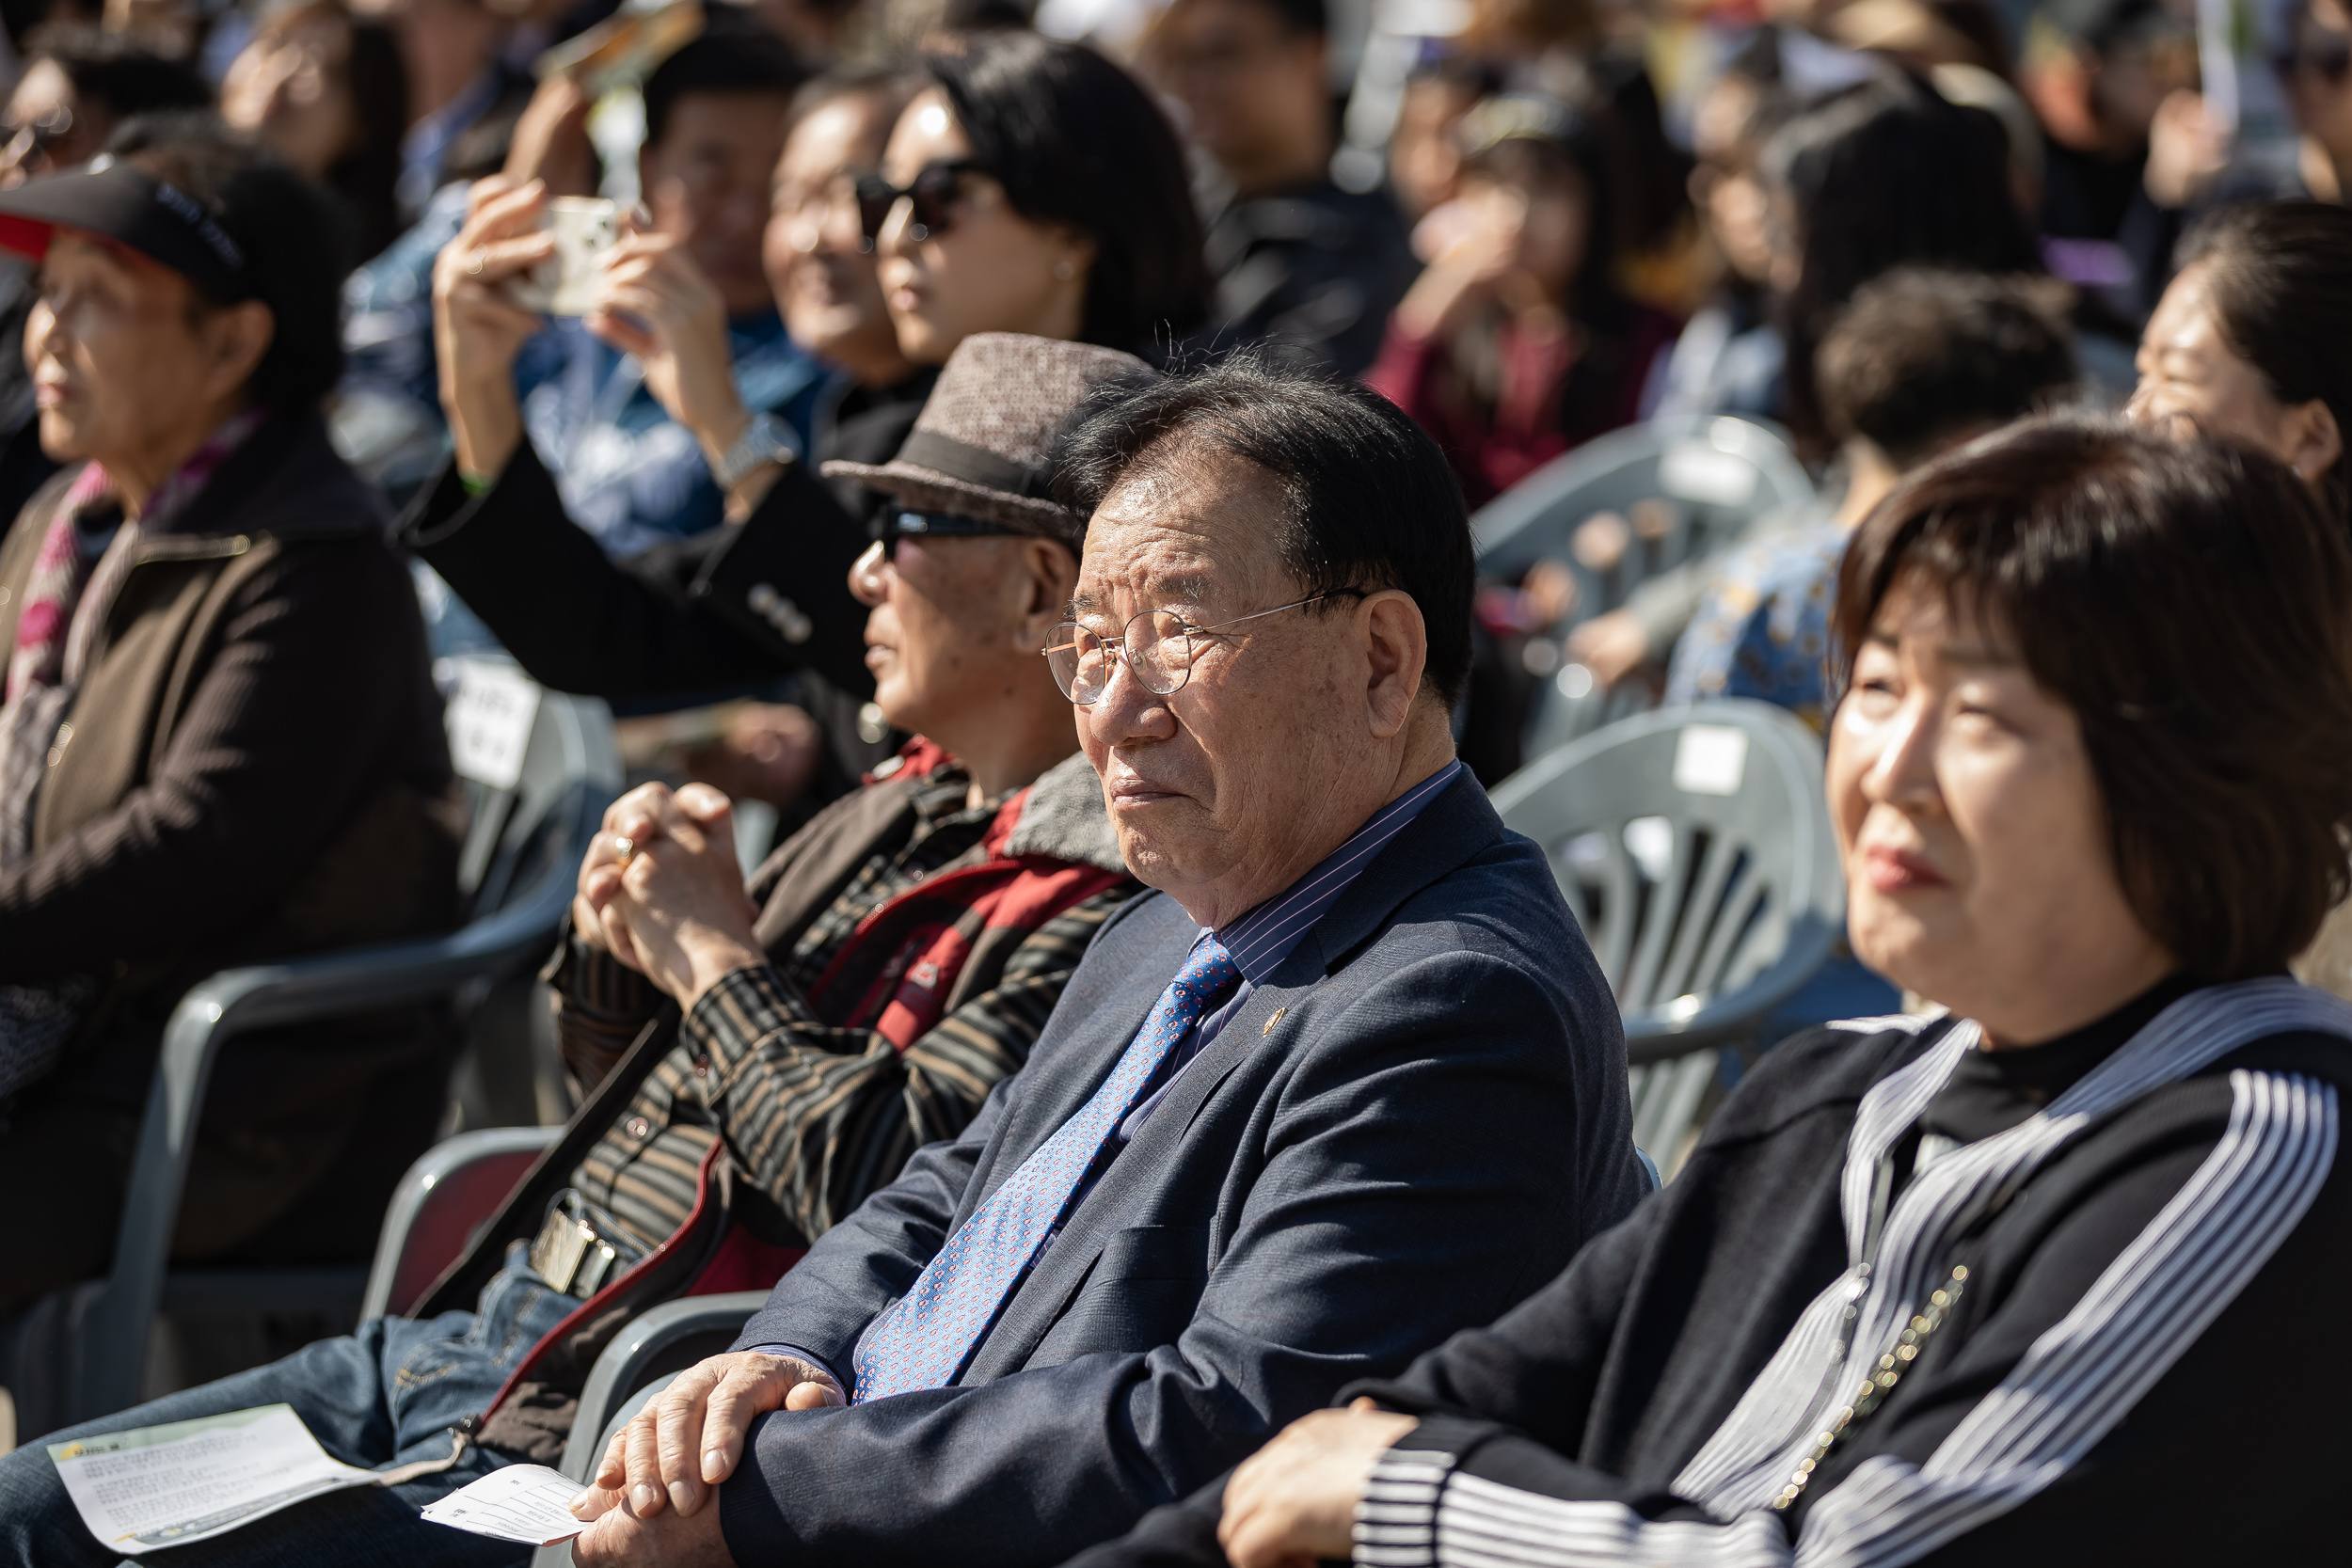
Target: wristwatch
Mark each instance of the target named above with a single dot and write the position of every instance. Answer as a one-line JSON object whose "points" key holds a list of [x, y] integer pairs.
{"points": [[766, 439]]}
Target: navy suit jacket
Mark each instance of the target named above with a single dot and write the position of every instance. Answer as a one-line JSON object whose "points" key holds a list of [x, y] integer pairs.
{"points": [[1410, 1127]]}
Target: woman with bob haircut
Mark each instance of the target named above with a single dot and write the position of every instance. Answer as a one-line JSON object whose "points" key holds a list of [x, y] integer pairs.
{"points": [[2024, 1280], [1034, 188]]}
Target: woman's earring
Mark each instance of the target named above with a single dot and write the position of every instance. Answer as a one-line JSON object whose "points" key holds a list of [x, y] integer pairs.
{"points": [[1064, 271]]}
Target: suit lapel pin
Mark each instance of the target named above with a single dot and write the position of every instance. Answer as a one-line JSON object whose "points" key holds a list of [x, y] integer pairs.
{"points": [[1272, 1022]]}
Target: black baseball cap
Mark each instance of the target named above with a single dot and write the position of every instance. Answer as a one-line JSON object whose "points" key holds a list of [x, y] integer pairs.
{"points": [[114, 201]]}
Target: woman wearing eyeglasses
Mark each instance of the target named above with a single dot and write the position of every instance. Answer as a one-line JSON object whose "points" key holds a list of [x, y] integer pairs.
{"points": [[1032, 187]]}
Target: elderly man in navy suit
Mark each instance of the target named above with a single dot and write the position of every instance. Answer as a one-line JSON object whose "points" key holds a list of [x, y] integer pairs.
{"points": [[1349, 1082]]}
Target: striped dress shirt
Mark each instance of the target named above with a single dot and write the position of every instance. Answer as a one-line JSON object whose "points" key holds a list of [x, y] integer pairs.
{"points": [[817, 1116], [1261, 940]]}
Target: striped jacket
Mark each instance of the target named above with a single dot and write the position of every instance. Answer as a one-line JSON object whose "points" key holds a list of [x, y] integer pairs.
{"points": [[820, 1103], [1884, 1317], [1837, 1339]]}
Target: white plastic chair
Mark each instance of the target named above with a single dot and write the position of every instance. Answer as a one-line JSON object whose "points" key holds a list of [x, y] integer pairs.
{"points": [[1712, 473], [1696, 848]]}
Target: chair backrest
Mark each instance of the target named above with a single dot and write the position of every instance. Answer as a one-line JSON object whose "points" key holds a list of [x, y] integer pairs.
{"points": [[452, 1190], [1713, 472], [531, 762], [1689, 485], [1696, 848], [538, 768]]}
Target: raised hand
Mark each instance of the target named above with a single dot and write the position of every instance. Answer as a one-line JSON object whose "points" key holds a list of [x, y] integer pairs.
{"points": [[477, 329], [654, 303]]}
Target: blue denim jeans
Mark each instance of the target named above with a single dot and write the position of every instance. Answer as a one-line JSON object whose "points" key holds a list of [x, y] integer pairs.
{"points": [[384, 1395]]}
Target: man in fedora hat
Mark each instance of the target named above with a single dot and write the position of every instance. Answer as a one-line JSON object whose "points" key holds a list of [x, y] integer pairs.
{"points": [[752, 1071], [1347, 1082]]}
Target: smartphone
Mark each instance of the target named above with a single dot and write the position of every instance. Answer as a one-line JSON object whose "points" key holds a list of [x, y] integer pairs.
{"points": [[584, 228]]}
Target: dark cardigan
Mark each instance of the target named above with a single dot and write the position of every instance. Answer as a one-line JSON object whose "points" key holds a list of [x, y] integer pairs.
{"points": [[1604, 1384]]}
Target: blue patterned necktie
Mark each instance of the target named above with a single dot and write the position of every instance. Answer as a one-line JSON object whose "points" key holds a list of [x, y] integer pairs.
{"points": [[924, 1341]]}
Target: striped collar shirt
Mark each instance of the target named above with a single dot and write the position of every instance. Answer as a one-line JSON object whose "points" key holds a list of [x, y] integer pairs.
{"points": [[1261, 940]]}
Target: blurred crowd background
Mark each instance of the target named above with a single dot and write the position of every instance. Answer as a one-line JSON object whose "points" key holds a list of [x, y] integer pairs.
{"points": [[1865, 231]]}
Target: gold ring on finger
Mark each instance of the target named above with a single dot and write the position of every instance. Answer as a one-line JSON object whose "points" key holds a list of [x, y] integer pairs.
{"points": [[624, 847], [481, 259]]}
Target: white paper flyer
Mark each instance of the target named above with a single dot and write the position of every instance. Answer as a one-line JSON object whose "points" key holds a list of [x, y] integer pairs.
{"points": [[529, 1503], [186, 1480]]}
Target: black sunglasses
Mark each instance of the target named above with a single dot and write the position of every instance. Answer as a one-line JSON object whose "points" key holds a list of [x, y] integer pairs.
{"points": [[933, 194], [894, 523], [2329, 58]]}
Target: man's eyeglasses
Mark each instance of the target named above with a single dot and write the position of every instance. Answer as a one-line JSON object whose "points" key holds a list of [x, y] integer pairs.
{"points": [[1158, 645], [932, 194]]}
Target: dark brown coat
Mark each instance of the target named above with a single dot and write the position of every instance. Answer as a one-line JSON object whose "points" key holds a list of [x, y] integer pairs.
{"points": [[254, 768]]}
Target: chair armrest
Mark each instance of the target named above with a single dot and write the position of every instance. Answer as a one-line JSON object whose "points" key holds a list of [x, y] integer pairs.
{"points": [[452, 1188], [1662, 1034], [658, 1342], [113, 1360]]}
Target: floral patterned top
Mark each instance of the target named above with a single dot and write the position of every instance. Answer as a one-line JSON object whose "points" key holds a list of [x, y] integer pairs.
{"points": [[1762, 631]]}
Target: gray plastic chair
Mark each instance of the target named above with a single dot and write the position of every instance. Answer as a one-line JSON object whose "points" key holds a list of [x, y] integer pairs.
{"points": [[453, 1186], [1714, 473], [459, 1182], [537, 780], [1695, 846], [638, 1364]]}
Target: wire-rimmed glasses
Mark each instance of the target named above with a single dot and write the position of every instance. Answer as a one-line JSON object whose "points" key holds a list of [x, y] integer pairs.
{"points": [[1158, 646]]}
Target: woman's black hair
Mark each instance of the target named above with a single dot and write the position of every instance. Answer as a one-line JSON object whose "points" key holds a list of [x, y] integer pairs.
{"points": [[295, 235], [2280, 277], [1556, 144], [1879, 174], [367, 175], [1074, 141]]}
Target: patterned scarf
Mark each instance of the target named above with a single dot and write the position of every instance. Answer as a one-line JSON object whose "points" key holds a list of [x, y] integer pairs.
{"points": [[66, 601]]}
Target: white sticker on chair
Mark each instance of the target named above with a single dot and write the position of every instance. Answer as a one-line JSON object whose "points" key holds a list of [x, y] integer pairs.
{"points": [[489, 722], [1693, 471], [1711, 759], [1650, 841]]}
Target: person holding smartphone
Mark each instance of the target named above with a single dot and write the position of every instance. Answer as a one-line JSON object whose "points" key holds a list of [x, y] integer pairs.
{"points": [[1088, 234]]}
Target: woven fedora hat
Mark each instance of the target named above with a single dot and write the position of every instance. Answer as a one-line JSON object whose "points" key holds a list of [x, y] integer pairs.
{"points": [[984, 441]]}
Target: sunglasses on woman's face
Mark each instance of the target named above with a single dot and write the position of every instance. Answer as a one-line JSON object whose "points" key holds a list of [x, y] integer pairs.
{"points": [[2328, 56], [932, 195]]}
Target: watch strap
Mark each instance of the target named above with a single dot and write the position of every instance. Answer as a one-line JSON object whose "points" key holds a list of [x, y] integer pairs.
{"points": [[766, 439]]}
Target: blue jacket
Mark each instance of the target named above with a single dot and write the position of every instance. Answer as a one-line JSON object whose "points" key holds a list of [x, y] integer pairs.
{"points": [[1413, 1125]]}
